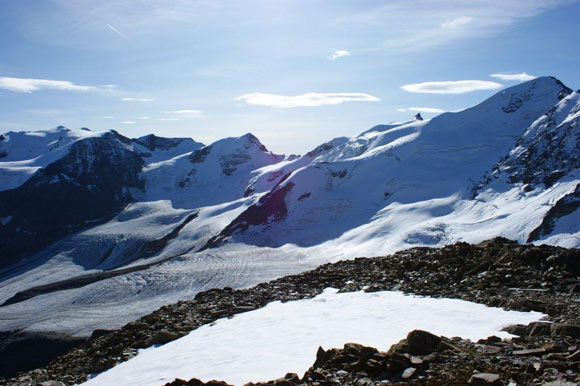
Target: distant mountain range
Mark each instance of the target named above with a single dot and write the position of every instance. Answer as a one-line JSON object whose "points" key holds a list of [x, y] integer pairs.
{"points": [[97, 229]]}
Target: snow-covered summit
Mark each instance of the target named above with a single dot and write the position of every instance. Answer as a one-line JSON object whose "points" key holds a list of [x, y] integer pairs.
{"points": [[217, 173], [351, 180], [155, 149]]}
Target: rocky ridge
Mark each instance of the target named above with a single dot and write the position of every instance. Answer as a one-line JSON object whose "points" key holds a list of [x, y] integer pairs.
{"points": [[498, 272]]}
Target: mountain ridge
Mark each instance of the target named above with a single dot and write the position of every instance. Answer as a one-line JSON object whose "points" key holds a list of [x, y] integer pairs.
{"points": [[255, 215]]}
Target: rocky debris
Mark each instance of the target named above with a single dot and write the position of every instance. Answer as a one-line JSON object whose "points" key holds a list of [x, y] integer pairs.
{"points": [[196, 382], [497, 272], [444, 361]]}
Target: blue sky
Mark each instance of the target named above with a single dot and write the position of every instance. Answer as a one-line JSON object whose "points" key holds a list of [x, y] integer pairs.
{"points": [[295, 73]]}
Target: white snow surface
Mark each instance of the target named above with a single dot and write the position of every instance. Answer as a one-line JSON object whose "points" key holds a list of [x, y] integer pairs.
{"points": [[283, 337], [392, 187]]}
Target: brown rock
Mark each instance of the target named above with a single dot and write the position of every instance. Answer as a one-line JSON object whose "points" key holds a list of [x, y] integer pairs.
{"points": [[529, 352], [485, 379], [162, 337], [516, 329], [421, 342], [539, 328], [558, 329]]}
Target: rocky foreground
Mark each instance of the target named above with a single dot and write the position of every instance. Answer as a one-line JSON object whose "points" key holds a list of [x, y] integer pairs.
{"points": [[545, 354], [498, 272]]}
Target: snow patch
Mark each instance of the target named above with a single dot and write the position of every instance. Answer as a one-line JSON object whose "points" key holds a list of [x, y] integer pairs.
{"points": [[284, 337]]}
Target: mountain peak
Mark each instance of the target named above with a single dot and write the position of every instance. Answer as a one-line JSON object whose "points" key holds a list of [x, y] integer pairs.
{"points": [[251, 138], [418, 117]]}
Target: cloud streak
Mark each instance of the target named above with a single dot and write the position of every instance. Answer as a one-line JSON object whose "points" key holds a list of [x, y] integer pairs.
{"points": [[339, 54], [456, 23], [522, 77], [431, 110], [190, 112], [30, 85], [451, 87], [312, 99], [117, 31], [130, 99]]}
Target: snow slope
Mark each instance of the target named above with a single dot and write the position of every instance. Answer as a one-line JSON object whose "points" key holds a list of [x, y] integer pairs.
{"points": [[283, 337], [398, 171], [506, 167]]}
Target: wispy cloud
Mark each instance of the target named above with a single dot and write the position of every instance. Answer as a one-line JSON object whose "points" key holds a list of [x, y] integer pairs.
{"points": [[190, 112], [514, 77], [117, 31], [128, 122], [339, 54], [425, 24], [145, 118], [167, 119], [311, 99], [30, 85], [129, 99], [431, 110], [455, 23], [109, 117], [451, 87]]}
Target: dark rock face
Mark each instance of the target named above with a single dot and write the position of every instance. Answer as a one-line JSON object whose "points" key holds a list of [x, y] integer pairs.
{"points": [[88, 185], [497, 272], [564, 206], [153, 142], [229, 164], [548, 150], [270, 208], [320, 149], [200, 155]]}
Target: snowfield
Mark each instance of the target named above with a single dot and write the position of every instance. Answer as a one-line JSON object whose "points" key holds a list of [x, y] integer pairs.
{"points": [[283, 337], [496, 169]]}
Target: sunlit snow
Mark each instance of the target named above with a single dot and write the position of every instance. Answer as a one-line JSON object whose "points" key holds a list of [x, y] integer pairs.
{"points": [[284, 337]]}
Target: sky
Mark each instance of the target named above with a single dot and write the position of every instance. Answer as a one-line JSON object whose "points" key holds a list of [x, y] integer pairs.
{"points": [[294, 73]]}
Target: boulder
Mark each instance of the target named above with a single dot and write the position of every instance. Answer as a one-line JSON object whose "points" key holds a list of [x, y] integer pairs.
{"points": [[421, 342], [559, 329], [485, 379]]}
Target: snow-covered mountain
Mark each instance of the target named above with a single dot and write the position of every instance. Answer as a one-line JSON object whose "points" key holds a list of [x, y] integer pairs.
{"points": [[101, 229], [406, 183]]}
